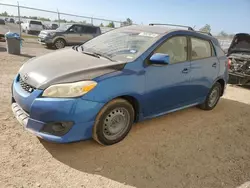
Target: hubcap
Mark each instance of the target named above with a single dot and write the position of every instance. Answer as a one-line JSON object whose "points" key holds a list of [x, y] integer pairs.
{"points": [[59, 44], [116, 123], [214, 96]]}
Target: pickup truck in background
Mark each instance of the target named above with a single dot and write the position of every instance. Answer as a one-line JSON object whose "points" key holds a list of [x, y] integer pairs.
{"points": [[32, 26]]}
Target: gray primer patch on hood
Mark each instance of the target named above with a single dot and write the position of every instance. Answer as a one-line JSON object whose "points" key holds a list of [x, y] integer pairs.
{"points": [[64, 66]]}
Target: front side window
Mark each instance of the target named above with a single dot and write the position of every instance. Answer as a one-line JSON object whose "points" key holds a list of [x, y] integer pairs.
{"points": [[176, 48], [64, 27], [200, 49], [76, 29]]}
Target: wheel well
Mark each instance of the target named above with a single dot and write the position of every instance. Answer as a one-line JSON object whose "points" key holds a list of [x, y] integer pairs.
{"points": [[222, 83], [133, 101], [61, 39]]}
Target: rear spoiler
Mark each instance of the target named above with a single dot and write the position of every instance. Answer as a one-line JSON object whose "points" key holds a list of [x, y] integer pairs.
{"points": [[184, 26]]}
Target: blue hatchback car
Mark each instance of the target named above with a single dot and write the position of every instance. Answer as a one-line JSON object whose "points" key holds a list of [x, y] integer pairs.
{"points": [[99, 89]]}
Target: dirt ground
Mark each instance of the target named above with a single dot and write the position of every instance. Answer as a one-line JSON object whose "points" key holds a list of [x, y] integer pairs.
{"points": [[187, 149]]}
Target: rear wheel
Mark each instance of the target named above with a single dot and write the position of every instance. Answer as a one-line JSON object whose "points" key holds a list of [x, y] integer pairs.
{"points": [[59, 43], [213, 97], [113, 122]]}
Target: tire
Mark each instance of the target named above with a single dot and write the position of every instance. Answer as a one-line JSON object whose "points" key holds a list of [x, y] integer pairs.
{"points": [[211, 101], [59, 43], [49, 46], [113, 122]]}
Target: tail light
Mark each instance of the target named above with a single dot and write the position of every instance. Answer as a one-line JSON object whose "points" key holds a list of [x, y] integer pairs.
{"points": [[229, 63]]}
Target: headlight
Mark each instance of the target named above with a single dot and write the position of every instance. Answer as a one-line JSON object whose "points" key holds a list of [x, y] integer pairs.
{"points": [[21, 68], [69, 89], [51, 34]]}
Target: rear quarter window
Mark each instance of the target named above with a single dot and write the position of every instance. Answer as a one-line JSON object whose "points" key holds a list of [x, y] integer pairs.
{"points": [[90, 30], [201, 48]]}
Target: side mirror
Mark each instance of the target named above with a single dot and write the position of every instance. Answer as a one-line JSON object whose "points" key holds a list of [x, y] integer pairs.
{"points": [[159, 58]]}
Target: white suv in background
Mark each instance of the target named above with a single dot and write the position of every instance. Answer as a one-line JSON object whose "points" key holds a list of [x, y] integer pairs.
{"points": [[32, 26]]}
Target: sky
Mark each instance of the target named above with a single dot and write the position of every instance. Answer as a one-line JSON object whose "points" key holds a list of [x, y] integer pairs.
{"points": [[231, 16]]}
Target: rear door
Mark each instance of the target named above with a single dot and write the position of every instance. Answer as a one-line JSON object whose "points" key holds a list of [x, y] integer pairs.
{"points": [[204, 67], [88, 33]]}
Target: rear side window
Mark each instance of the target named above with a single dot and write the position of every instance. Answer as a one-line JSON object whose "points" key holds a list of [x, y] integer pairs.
{"points": [[89, 30], [201, 49], [35, 22]]}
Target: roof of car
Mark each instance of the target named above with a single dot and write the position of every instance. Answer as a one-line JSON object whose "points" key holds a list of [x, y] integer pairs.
{"points": [[162, 30], [146, 28], [158, 29], [83, 24]]}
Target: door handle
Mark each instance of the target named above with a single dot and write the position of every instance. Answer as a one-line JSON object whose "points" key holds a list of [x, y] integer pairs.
{"points": [[185, 70], [214, 65]]}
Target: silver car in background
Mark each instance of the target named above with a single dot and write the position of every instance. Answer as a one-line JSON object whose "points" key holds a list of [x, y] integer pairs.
{"points": [[68, 34]]}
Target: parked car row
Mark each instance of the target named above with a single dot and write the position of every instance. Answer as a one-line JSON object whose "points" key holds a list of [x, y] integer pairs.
{"points": [[10, 20]]}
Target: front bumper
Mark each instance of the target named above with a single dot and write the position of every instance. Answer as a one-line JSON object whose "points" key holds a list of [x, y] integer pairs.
{"points": [[45, 40], [34, 112], [239, 79]]}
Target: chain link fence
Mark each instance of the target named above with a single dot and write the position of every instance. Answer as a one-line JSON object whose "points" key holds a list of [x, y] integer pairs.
{"points": [[48, 17]]}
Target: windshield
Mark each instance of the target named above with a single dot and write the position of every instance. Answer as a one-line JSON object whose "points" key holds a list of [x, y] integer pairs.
{"points": [[64, 27], [35, 22], [122, 44], [240, 43]]}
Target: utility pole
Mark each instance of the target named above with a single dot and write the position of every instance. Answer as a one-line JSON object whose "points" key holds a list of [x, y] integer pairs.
{"points": [[58, 14], [19, 19]]}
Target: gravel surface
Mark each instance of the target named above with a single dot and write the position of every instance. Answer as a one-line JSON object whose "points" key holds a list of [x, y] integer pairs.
{"points": [[190, 148]]}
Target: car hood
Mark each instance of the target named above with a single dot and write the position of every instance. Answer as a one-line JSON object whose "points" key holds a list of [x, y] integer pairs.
{"points": [[240, 43], [64, 66], [48, 31]]}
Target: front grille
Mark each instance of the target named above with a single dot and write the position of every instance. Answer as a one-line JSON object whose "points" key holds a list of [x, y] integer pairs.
{"points": [[26, 86]]}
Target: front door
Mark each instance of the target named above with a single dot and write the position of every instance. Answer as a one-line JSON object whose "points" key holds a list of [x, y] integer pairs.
{"points": [[167, 86], [88, 33], [74, 34]]}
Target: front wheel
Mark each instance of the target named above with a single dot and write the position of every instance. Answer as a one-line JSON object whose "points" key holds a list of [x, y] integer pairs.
{"points": [[212, 98], [49, 46], [113, 122], [59, 43]]}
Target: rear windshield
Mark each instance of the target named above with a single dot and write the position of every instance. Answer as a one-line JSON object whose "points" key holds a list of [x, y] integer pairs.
{"points": [[36, 22]]}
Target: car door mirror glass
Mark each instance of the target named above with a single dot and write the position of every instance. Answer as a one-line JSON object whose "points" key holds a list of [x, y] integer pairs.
{"points": [[160, 58]]}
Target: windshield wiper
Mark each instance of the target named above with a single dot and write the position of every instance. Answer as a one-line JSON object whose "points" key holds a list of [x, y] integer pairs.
{"points": [[93, 53], [103, 55], [90, 53]]}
